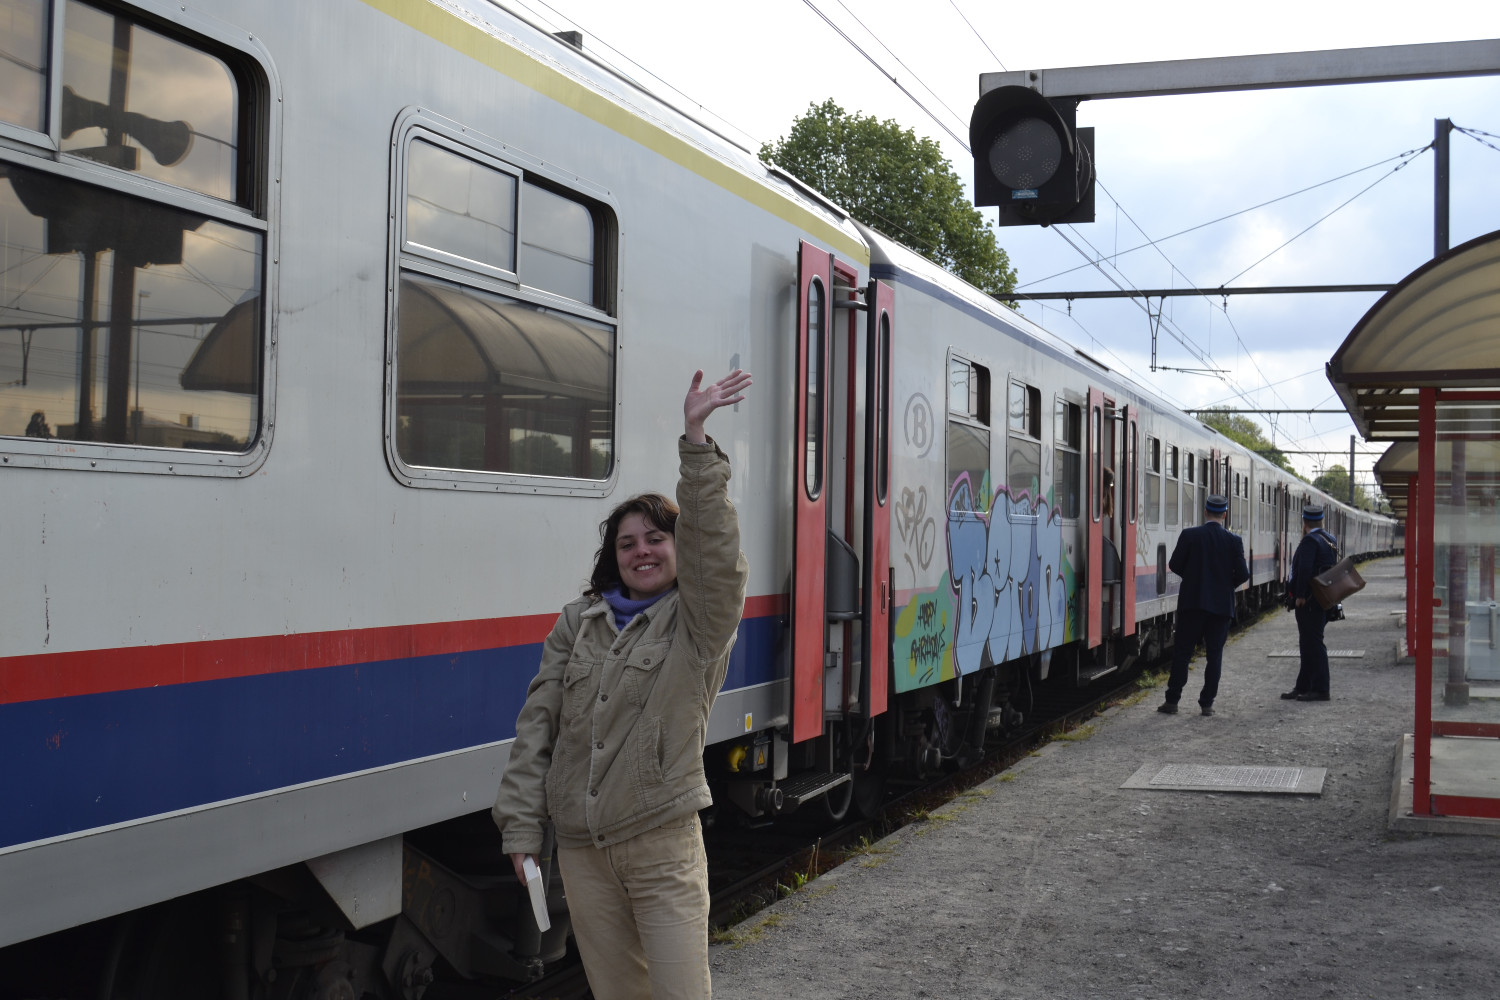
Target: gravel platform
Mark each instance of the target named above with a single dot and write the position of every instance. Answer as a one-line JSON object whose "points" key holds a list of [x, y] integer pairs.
{"points": [[1051, 881]]}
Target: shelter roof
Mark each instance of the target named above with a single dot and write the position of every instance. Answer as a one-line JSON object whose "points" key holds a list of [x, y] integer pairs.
{"points": [[1440, 326]]}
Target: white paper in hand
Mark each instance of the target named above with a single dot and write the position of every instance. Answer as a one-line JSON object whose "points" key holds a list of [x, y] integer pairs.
{"points": [[538, 895]]}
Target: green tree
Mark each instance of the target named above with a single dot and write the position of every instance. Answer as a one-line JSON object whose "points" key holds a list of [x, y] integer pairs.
{"points": [[1243, 430], [893, 181], [1335, 482]]}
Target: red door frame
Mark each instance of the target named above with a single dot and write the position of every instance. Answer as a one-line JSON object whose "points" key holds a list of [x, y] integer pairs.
{"points": [[1094, 547], [1129, 472], [876, 604], [810, 531]]}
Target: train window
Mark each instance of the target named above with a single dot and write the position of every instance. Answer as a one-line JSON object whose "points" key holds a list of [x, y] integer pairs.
{"points": [[1067, 472], [1171, 500], [969, 390], [1153, 480], [1189, 478], [1023, 458], [1133, 467], [557, 244], [174, 114], [968, 427], [1025, 406], [131, 310], [460, 209], [488, 383], [813, 473], [23, 70], [504, 355]]}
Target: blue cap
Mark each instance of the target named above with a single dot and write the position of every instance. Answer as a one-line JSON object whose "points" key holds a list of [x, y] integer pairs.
{"points": [[1215, 504], [1312, 512]]}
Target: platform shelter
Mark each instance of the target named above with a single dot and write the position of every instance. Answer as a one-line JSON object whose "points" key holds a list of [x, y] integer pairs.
{"points": [[1422, 370]]}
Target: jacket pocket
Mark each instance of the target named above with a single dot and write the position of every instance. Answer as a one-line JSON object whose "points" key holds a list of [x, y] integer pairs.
{"points": [[576, 691], [643, 668]]}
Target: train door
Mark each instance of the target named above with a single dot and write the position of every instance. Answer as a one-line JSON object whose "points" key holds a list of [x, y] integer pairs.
{"points": [[841, 595], [1113, 443]]}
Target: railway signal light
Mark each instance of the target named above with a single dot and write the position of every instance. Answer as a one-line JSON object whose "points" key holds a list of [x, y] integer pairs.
{"points": [[1030, 158]]}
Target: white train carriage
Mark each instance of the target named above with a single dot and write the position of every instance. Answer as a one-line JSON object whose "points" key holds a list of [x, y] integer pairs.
{"points": [[328, 333]]}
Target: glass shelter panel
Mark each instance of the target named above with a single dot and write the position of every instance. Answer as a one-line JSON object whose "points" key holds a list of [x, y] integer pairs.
{"points": [[1466, 531]]}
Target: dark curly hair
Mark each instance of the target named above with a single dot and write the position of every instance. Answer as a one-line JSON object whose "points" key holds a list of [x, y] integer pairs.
{"points": [[659, 512]]}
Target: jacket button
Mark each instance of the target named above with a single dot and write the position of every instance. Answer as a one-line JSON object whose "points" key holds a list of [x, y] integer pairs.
{"points": [[594, 792], [604, 697], [646, 661], [598, 746], [600, 837]]}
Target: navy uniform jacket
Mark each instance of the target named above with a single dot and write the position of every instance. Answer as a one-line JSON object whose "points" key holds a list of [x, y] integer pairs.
{"points": [[1314, 554], [1211, 561]]}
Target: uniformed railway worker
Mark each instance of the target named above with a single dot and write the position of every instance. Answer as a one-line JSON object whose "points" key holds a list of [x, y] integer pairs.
{"points": [[1211, 561], [609, 744], [1317, 552]]}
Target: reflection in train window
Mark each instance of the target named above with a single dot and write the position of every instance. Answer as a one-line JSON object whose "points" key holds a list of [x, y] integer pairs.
{"points": [[459, 207], [1068, 468], [813, 395], [1023, 454], [126, 319], [968, 434], [490, 375], [1173, 493], [23, 66], [489, 383], [1189, 476], [557, 244], [1152, 470], [125, 322], [174, 114]]}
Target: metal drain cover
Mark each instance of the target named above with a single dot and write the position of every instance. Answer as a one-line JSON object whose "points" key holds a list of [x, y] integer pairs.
{"points": [[1333, 654], [1227, 778]]}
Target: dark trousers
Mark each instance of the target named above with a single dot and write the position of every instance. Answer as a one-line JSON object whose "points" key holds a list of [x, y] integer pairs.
{"points": [[1192, 625], [1313, 677]]}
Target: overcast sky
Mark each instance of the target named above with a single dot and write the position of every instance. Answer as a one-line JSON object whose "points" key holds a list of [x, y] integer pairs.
{"points": [[1167, 163]]}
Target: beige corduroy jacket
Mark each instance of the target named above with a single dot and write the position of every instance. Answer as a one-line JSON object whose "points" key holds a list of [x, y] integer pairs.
{"points": [[609, 743]]}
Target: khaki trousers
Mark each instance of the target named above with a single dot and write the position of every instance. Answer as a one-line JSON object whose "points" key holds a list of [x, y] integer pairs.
{"points": [[640, 913]]}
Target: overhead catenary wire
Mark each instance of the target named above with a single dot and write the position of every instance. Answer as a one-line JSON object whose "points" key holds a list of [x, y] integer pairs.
{"points": [[886, 73], [1408, 154]]}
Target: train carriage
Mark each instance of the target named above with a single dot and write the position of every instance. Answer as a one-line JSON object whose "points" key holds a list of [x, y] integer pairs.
{"points": [[327, 333]]}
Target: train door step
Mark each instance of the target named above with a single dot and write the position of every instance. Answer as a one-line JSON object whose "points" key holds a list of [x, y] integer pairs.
{"points": [[1087, 675], [808, 786]]}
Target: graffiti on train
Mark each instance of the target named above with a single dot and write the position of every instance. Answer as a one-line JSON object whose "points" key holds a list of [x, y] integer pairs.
{"points": [[1004, 596]]}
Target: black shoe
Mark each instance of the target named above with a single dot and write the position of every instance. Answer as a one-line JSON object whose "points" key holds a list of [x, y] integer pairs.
{"points": [[1169, 707], [1313, 696], [1292, 695], [1207, 709]]}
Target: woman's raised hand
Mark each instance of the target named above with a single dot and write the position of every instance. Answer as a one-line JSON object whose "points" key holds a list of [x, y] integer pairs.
{"points": [[702, 400]]}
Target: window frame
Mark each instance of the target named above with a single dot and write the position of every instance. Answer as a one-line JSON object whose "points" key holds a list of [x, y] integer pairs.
{"points": [[975, 415], [256, 209], [417, 124], [1030, 435], [1078, 412], [1171, 503], [1152, 477]]}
